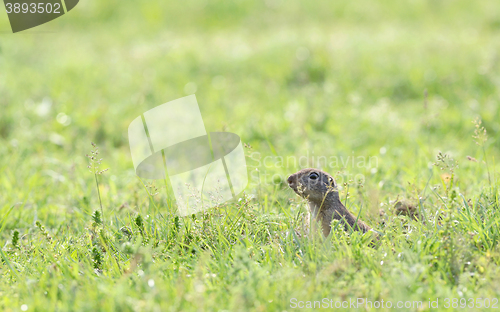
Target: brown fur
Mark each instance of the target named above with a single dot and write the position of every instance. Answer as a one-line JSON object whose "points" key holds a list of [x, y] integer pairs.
{"points": [[323, 199]]}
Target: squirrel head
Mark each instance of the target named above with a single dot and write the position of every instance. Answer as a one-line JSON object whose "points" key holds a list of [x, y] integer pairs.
{"points": [[313, 184]]}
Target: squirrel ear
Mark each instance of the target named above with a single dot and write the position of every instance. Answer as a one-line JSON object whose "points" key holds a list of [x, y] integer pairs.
{"points": [[331, 181]]}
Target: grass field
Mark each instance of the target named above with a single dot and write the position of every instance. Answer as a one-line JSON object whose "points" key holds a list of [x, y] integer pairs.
{"points": [[394, 82]]}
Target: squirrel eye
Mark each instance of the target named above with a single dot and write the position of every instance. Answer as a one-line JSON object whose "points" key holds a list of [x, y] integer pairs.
{"points": [[313, 176]]}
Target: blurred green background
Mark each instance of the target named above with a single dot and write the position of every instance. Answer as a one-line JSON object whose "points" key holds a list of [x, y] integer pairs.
{"points": [[396, 80], [291, 78]]}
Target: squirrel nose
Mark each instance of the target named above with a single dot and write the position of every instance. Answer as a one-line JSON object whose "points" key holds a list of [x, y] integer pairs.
{"points": [[290, 180]]}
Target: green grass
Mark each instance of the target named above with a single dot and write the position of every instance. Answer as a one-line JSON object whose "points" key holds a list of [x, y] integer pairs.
{"points": [[299, 79]]}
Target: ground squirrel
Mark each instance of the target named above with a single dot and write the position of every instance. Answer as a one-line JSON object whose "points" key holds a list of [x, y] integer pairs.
{"points": [[320, 191]]}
